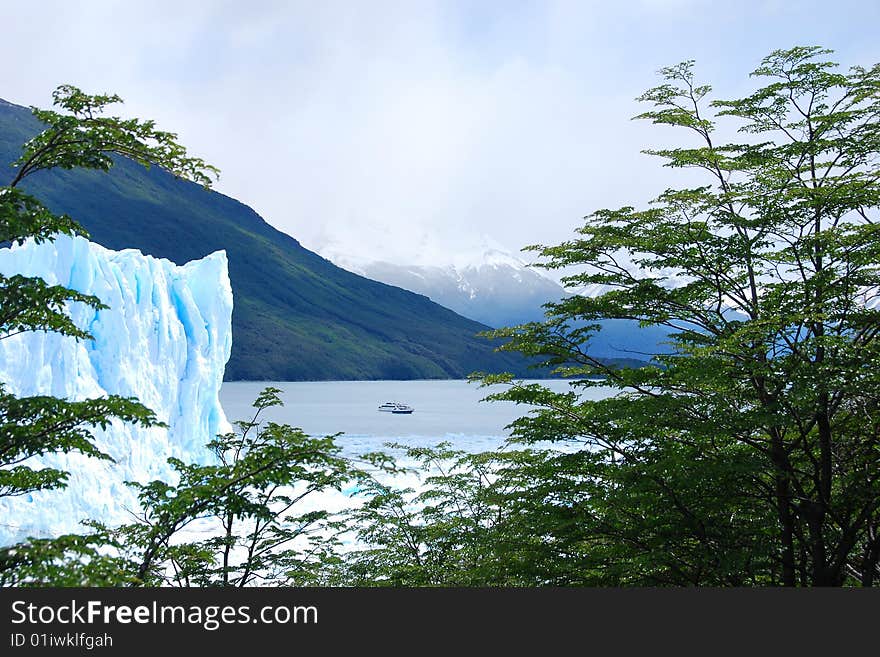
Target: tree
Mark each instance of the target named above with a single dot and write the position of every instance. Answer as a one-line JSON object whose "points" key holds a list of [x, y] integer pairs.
{"points": [[253, 494], [78, 136], [751, 453], [249, 501], [432, 537]]}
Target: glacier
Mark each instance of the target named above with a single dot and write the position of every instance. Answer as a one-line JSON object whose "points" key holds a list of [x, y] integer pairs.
{"points": [[165, 339]]}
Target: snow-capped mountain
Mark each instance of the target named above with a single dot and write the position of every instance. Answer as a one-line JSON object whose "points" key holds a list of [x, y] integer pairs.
{"points": [[493, 286], [164, 339], [488, 284]]}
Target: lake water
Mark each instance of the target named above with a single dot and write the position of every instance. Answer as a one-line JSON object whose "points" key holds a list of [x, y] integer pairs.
{"points": [[444, 410]]}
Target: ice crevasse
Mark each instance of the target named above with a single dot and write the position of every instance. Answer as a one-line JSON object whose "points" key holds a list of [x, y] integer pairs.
{"points": [[165, 339]]}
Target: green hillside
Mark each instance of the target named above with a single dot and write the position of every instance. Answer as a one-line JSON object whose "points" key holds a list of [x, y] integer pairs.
{"points": [[297, 316]]}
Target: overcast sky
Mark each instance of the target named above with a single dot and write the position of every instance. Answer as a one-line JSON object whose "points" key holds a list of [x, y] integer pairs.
{"points": [[410, 130]]}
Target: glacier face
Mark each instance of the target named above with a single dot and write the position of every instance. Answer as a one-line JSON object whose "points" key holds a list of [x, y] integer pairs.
{"points": [[165, 339]]}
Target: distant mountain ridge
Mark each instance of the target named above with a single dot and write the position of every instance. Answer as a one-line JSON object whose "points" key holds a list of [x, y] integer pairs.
{"points": [[498, 288], [296, 316], [491, 286]]}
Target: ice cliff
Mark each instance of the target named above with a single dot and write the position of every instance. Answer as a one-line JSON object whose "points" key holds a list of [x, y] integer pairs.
{"points": [[165, 339]]}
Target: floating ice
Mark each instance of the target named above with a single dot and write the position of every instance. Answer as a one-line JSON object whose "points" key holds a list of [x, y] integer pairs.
{"points": [[165, 340]]}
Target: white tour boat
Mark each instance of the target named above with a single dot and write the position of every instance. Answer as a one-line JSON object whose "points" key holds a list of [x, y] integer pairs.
{"points": [[397, 408]]}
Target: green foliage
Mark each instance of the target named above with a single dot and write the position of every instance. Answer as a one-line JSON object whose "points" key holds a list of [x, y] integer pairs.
{"points": [[30, 304], [84, 138], [22, 216], [751, 453], [68, 560], [249, 501], [642, 516], [253, 494], [459, 529]]}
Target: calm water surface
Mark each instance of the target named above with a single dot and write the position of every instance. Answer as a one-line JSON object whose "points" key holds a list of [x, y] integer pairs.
{"points": [[444, 410]]}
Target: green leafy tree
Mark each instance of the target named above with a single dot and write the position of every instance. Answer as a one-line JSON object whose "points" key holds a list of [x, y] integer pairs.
{"points": [[463, 526], [751, 453], [542, 517], [249, 501], [69, 560], [77, 136], [251, 497]]}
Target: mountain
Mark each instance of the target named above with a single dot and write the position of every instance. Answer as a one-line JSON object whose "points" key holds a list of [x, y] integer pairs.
{"points": [[496, 287], [489, 285], [296, 316]]}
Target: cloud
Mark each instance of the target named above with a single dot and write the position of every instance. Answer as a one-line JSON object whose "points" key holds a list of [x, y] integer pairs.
{"points": [[398, 128]]}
